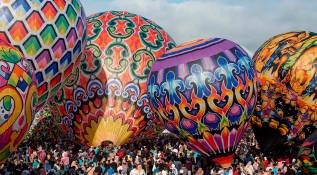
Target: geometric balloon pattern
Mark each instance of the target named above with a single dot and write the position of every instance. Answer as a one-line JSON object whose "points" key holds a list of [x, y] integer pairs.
{"points": [[205, 92], [51, 35]]}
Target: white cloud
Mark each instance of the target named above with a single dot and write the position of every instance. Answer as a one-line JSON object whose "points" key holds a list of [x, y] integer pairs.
{"points": [[248, 22]]}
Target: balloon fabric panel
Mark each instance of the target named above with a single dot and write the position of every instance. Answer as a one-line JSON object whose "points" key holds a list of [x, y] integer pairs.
{"points": [[105, 98], [50, 33], [18, 98], [204, 91], [287, 77]]}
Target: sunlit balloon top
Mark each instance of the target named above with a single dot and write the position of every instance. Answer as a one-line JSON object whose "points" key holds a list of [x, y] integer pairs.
{"points": [[50, 33]]}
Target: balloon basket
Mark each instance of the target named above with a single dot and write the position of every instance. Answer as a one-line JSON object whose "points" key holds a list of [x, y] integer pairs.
{"points": [[224, 161]]}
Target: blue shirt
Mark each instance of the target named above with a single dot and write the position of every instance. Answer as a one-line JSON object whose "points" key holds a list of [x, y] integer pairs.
{"points": [[275, 170], [103, 169], [36, 164], [110, 171], [81, 162], [97, 149]]}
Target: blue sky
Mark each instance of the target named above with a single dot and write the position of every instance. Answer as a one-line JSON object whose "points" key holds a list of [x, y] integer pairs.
{"points": [[248, 22]]}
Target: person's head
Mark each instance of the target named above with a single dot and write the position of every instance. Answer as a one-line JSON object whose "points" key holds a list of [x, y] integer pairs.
{"points": [[139, 167]]}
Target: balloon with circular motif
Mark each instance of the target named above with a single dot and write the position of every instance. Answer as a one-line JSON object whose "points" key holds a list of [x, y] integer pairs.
{"points": [[286, 113], [18, 98], [50, 33], [204, 91], [105, 98]]}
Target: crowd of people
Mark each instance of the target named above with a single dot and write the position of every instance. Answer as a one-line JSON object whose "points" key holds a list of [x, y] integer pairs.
{"points": [[162, 156]]}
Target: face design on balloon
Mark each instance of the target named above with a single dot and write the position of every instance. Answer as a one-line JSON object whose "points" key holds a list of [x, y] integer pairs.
{"points": [[18, 98], [287, 89], [204, 94], [50, 33], [105, 98]]}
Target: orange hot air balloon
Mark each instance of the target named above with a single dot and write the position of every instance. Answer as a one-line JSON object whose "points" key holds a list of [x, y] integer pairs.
{"points": [[105, 98], [286, 113]]}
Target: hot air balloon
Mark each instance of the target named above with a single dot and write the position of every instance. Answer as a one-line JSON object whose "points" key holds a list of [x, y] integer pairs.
{"points": [[105, 98], [204, 91], [50, 33], [18, 98], [285, 113]]}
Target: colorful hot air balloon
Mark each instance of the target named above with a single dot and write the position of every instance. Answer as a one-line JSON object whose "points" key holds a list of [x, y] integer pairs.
{"points": [[204, 91], [105, 98], [286, 113], [51, 35], [18, 98]]}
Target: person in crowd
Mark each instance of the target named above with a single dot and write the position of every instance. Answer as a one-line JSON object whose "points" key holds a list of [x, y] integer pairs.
{"points": [[158, 156]]}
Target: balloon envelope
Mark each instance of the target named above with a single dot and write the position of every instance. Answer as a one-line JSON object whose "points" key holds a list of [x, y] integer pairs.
{"points": [[51, 35], [286, 113], [204, 91], [18, 97], [105, 98]]}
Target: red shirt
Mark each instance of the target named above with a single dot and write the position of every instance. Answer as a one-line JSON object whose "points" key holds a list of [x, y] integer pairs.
{"points": [[120, 153], [236, 171], [266, 163], [41, 156]]}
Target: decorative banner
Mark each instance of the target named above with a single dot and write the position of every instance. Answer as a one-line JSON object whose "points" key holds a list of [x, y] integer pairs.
{"points": [[18, 99], [205, 91], [105, 98], [286, 108], [50, 33]]}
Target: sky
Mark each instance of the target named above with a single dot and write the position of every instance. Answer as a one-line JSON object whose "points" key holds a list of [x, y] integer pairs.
{"points": [[247, 22]]}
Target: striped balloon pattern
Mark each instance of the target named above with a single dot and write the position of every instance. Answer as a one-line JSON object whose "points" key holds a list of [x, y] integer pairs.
{"points": [[51, 35], [105, 98], [18, 99], [286, 110], [204, 91]]}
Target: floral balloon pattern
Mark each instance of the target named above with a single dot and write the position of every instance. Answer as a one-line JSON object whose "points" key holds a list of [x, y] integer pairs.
{"points": [[105, 98]]}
